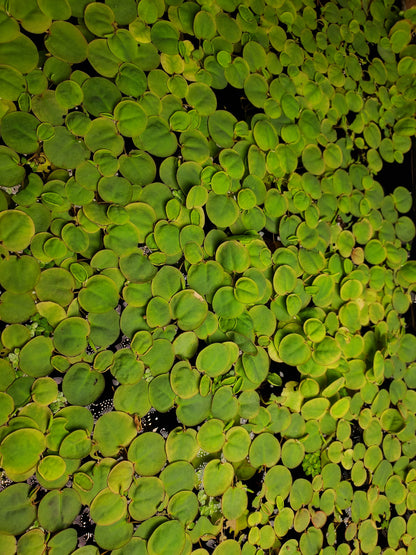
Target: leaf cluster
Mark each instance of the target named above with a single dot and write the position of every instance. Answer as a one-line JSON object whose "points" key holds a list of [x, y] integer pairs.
{"points": [[239, 267]]}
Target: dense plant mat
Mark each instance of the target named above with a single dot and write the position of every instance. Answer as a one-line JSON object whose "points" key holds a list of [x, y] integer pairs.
{"points": [[191, 224]]}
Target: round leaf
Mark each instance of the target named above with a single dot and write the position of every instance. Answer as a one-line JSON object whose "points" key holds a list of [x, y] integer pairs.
{"points": [[217, 477], [294, 350], [16, 509], [99, 295], [108, 507], [66, 42], [167, 539], [21, 450], [113, 431], [82, 385], [58, 509], [70, 337], [264, 450], [147, 452], [16, 230]]}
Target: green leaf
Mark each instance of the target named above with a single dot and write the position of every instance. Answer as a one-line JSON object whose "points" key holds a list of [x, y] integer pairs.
{"points": [[368, 536], [194, 146], [407, 345], [44, 391], [146, 494], [300, 493], [290, 106], [12, 83], [159, 358], [167, 539], [283, 523], [311, 541], [70, 337], [312, 160], [9, 28], [130, 79], [202, 98], [277, 482], [108, 507], [114, 430], [264, 450], [246, 290], [52, 467], [123, 45], [183, 506], [284, 279], [32, 540], [292, 453], [237, 442], [18, 130], [148, 454], [157, 139], [221, 127], [113, 536], [55, 10], [63, 542], [16, 509], [293, 350], [374, 252], [16, 308], [327, 352], [35, 357], [194, 410], [265, 135], [19, 275], [66, 42], [221, 210], [161, 395], [58, 509], [11, 173], [55, 284], [189, 309], [214, 360], [100, 95], [395, 490], [21, 450], [133, 398], [372, 135], [211, 435], [81, 384], [332, 156], [63, 150], [217, 477], [233, 256], [165, 37], [225, 303], [234, 502], [392, 421], [102, 133], [256, 89], [99, 294], [125, 12], [6, 407], [18, 51], [181, 445], [125, 367], [224, 405], [76, 445], [204, 25], [396, 529]]}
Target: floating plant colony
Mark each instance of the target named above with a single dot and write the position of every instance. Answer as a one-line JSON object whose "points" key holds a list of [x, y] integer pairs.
{"points": [[205, 282]]}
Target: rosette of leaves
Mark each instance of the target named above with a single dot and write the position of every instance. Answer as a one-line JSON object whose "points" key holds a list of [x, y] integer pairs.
{"points": [[235, 265]]}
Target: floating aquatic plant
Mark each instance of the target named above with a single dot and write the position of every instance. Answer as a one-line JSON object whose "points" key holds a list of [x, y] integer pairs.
{"points": [[193, 223]]}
